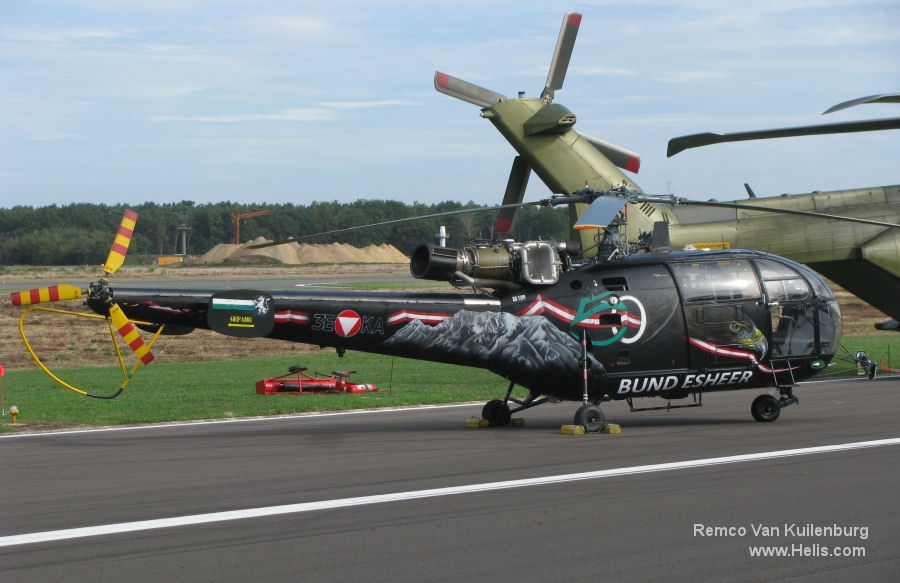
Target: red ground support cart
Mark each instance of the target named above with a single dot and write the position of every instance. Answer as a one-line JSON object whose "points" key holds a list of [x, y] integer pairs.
{"points": [[297, 382]]}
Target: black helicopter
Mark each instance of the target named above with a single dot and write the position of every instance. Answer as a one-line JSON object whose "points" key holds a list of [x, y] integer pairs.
{"points": [[632, 322]]}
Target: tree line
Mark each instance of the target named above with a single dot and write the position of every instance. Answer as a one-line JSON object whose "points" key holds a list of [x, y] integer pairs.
{"points": [[82, 233]]}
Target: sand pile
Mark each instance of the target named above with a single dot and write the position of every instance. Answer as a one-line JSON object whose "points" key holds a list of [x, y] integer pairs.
{"points": [[304, 253]]}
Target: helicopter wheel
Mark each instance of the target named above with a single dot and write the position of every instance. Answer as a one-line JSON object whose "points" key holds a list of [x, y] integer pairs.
{"points": [[497, 413], [591, 417], [765, 408]]}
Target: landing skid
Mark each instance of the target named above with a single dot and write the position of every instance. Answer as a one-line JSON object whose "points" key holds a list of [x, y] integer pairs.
{"points": [[766, 408]]}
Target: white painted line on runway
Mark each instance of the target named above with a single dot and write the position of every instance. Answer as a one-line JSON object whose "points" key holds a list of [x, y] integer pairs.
{"points": [[294, 417], [142, 525]]}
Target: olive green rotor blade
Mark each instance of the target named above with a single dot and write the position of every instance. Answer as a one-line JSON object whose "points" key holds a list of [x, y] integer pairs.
{"points": [[881, 98], [682, 143], [562, 54], [466, 91]]}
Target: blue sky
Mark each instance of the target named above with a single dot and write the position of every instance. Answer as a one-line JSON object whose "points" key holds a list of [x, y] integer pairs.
{"points": [[275, 101]]}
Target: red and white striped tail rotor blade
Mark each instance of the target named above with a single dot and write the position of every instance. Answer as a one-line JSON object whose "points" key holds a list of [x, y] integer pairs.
{"points": [[43, 295], [130, 334], [120, 246]]}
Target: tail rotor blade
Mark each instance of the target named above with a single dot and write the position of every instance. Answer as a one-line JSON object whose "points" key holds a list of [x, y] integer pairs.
{"points": [[120, 246], [515, 192], [130, 334], [43, 295], [561, 55], [466, 91]]}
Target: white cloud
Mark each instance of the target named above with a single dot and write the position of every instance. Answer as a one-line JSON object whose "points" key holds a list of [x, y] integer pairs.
{"points": [[367, 104], [59, 36], [689, 76], [300, 25], [302, 115], [54, 137], [585, 71]]}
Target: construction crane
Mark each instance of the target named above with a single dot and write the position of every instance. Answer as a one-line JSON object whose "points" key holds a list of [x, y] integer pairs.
{"points": [[237, 217]]}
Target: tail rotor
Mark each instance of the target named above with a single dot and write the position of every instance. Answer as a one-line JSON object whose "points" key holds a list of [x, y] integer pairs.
{"points": [[101, 290], [114, 261]]}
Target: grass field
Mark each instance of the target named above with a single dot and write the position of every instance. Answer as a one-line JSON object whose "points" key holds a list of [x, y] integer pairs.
{"points": [[216, 390], [165, 392]]}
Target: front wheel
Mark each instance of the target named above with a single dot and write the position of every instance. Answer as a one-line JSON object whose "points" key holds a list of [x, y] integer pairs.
{"points": [[591, 417], [765, 408]]}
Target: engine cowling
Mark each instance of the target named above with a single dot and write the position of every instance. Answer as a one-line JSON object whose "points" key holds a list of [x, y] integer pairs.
{"points": [[496, 265]]}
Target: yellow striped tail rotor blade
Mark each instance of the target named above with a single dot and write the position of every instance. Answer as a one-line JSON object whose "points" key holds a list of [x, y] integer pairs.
{"points": [[130, 334], [43, 295], [120, 246]]}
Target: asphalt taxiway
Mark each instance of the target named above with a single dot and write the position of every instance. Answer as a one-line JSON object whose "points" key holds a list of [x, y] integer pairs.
{"points": [[415, 495]]}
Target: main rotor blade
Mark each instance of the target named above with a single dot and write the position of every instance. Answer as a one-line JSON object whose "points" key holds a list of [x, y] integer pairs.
{"points": [[607, 204], [120, 245], [42, 295], [625, 159], [601, 213], [515, 192], [129, 333], [392, 222], [562, 54], [882, 98], [753, 207], [682, 143], [466, 91]]}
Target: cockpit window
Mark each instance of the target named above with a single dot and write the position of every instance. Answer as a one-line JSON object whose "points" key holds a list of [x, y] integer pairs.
{"points": [[782, 283], [819, 287], [717, 280]]}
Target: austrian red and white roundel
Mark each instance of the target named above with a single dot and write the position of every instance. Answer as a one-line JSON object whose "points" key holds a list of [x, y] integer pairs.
{"points": [[347, 323]]}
